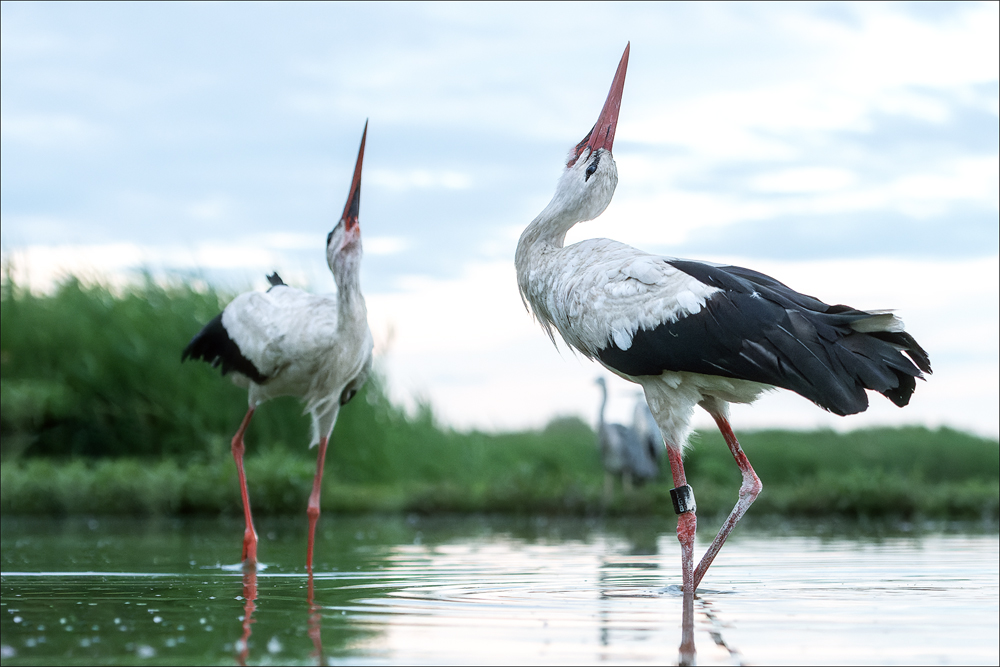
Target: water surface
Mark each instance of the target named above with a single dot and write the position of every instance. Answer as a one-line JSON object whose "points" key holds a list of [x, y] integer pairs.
{"points": [[492, 590]]}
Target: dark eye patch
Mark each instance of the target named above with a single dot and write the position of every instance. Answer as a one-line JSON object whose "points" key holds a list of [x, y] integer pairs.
{"points": [[592, 167]]}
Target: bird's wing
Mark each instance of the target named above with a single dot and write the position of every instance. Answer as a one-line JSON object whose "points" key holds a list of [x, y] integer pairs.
{"points": [[755, 328], [273, 328], [600, 291], [214, 345]]}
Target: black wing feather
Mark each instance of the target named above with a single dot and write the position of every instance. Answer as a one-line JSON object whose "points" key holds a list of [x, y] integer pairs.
{"points": [[759, 329], [213, 345]]}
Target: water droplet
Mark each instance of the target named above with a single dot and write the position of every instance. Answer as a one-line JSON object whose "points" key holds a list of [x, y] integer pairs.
{"points": [[145, 651], [18, 619], [157, 619], [274, 645]]}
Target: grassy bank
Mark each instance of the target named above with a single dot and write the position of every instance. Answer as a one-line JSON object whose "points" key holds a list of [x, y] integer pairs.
{"points": [[875, 473], [98, 416]]}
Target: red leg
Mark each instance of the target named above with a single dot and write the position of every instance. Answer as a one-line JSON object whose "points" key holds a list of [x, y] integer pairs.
{"points": [[748, 492], [313, 510], [687, 523], [249, 535]]}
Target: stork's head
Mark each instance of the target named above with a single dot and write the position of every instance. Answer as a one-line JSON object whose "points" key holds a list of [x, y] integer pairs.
{"points": [[343, 244], [586, 187]]}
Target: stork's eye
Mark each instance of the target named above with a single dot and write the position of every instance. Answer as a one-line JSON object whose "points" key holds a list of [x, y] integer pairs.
{"points": [[329, 237], [592, 167]]}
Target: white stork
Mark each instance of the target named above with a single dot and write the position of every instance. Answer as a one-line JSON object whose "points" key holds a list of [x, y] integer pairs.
{"points": [[286, 342], [694, 333]]}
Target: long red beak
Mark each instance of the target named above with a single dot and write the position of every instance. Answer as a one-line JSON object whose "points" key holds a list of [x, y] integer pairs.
{"points": [[350, 216], [602, 135]]}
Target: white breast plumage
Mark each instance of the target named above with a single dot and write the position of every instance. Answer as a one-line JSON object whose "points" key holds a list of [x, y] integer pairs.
{"points": [[600, 290]]}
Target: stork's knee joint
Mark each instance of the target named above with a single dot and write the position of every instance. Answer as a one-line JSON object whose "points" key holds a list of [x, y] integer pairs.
{"points": [[683, 499], [751, 488]]}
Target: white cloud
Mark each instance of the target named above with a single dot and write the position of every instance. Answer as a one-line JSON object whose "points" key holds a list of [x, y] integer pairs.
{"points": [[41, 268]]}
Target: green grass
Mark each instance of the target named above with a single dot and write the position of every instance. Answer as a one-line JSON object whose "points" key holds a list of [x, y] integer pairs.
{"points": [[512, 473], [98, 416]]}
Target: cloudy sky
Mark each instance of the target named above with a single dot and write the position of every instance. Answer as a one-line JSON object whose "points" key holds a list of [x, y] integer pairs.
{"points": [[849, 150]]}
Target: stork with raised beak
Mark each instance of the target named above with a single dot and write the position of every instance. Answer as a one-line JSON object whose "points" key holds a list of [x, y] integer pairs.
{"points": [[695, 333], [287, 342]]}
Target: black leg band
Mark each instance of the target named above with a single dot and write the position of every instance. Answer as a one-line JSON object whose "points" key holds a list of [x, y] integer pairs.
{"points": [[683, 499]]}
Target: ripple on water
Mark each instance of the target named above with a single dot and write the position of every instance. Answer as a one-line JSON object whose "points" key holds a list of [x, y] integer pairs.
{"points": [[489, 591]]}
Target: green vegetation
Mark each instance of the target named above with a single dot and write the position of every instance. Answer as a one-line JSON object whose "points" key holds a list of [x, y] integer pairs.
{"points": [[98, 416]]}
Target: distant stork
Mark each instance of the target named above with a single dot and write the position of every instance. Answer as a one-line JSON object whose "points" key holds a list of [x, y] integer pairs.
{"points": [[694, 333], [287, 342], [613, 441], [649, 453], [625, 450]]}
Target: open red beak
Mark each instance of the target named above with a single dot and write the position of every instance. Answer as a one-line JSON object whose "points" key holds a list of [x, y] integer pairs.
{"points": [[350, 216], [602, 135]]}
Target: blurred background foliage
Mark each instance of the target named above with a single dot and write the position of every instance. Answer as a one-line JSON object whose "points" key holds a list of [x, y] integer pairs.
{"points": [[98, 415]]}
